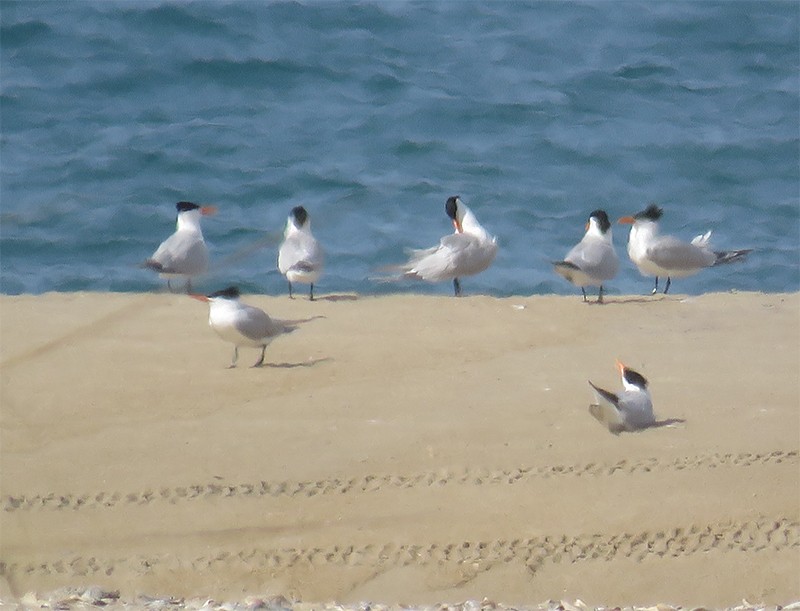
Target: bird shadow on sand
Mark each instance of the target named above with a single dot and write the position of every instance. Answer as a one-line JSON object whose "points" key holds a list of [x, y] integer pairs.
{"points": [[309, 363], [643, 299], [669, 422], [337, 298], [658, 424], [615, 428]]}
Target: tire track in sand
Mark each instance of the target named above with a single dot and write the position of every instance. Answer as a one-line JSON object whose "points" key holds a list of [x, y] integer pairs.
{"points": [[377, 482], [466, 558]]}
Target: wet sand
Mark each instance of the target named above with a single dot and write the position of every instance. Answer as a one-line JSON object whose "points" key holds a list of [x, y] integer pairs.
{"points": [[404, 449]]}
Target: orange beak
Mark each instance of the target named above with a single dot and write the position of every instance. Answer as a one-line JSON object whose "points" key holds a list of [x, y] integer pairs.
{"points": [[621, 367], [587, 227], [198, 297], [627, 220], [458, 227], [208, 210]]}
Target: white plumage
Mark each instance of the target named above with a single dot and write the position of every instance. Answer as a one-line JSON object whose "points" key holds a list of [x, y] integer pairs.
{"points": [[664, 255], [241, 324], [593, 260], [300, 257], [184, 254], [629, 410], [468, 251]]}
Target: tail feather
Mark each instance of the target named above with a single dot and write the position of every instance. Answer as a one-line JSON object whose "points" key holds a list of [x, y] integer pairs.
{"points": [[286, 326], [303, 266], [153, 264], [702, 240], [389, 273], [565, 269], [565, 264], [731, 256]]}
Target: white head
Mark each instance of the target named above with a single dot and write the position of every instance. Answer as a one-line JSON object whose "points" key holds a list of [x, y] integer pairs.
{"points": [[189, 215]]}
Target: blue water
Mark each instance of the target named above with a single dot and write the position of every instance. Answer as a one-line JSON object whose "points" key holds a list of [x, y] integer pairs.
{"points": [[371, 114]]}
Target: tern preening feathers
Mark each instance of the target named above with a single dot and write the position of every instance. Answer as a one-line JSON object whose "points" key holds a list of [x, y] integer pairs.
{"points": [[184, 253], [300, 257], [593, 260], [628, 410], [664, 255], [467, 251], [241, 324]]}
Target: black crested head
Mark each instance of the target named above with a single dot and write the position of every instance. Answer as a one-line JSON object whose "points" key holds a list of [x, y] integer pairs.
{"points": [[229, 293], [635, 378], [651, 213], [451, 206], [300, 215], [186, 206], [602, 220]]}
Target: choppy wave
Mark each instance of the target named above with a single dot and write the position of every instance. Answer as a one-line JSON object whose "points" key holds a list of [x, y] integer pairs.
{"points": [[371, 114]]}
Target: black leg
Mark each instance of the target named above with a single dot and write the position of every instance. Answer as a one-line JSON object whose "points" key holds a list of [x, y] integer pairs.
{"points": [[290, 289], [666, 288], [655, 289], [584, 294], [457, 287], [311, 293], [188, 285], [600, 295], [235, 357], [261, 360]]}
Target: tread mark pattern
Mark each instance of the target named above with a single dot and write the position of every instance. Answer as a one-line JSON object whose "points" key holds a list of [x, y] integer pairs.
{"points": [[374, 483], [469, 558]]}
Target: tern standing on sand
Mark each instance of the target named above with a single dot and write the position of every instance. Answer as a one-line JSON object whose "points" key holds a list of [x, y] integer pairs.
{"points": [[593, 260], [183, 254], [664, 255], [300, 257], [629, 410], [241, 324], [467, 251]]}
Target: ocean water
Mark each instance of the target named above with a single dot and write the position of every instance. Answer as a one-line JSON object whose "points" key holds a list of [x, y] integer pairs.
{"points": [[370, 114]]}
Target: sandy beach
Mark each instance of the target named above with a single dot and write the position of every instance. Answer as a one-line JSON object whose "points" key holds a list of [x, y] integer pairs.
{"points": [[405, 450]]}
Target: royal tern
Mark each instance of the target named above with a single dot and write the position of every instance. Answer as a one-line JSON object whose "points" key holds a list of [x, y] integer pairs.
{"points": [[593, 260], [467, 251], [241, 324], [664, 255], [627, 411], [300, 257], [184, 253]]}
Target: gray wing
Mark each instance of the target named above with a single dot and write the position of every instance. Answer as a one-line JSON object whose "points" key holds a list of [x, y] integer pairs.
{"points": [[436, 263], [595, 258], [607, 395], [671, 253], [458, 254], [181, 253], [431, 264], [637, 410], [566, 269], [606, 410], [254, 324]]}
